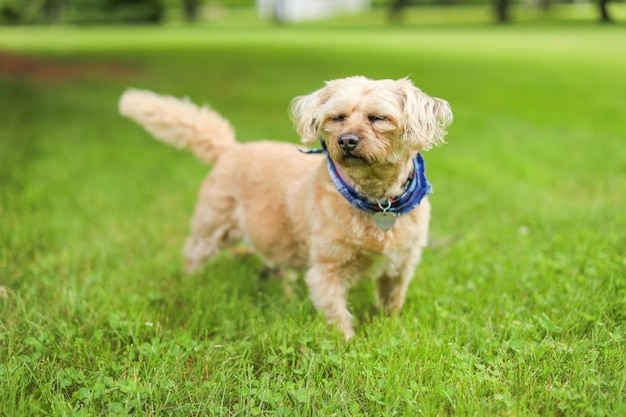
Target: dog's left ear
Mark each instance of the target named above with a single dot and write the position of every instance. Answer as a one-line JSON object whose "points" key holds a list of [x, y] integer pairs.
{"points": [[303, 111], [426, 118]]}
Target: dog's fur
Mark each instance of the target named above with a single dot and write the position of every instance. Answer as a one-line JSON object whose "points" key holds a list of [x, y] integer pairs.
{"points": [[283, 204]]}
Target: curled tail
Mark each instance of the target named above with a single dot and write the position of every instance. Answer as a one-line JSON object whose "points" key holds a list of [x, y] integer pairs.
{"points": [[179, 123]]}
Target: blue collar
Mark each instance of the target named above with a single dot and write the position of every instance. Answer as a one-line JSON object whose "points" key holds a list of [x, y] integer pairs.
{"points": [[417, 187]]}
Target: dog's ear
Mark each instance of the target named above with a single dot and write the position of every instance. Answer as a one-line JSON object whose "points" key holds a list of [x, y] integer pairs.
{"points": [[426, 117], [304, 112]]}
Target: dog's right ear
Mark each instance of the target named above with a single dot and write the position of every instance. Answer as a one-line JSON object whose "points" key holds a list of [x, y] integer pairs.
{"points": [[305, 114]]}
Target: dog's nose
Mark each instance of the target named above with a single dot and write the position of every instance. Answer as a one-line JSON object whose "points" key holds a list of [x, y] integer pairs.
{"points": [[348, 141]]}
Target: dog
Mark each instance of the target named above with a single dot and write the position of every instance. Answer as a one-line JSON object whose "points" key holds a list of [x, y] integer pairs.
{"points": [[357, 208]]}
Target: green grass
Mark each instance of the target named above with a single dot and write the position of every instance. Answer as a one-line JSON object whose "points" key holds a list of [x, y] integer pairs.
{"points": [[519, 306]]}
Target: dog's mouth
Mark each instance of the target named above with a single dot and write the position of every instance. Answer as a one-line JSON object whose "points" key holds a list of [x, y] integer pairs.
{"points": [[354, 159], [349, 159], [351, 156]]}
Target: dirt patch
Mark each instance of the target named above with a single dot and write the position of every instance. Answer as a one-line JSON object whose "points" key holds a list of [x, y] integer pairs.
{"points": [[14, 65]]}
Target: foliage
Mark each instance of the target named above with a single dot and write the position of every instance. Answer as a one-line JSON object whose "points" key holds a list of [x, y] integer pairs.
{"points": [[80, 11], [115, 11], [27, 11], [519, 305]]}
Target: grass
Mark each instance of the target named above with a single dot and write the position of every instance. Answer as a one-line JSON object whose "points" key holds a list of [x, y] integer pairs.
{"points": [[518, 308]]}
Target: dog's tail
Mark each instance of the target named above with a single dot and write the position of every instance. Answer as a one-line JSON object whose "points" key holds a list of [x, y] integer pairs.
{"points": [[179, 123]]}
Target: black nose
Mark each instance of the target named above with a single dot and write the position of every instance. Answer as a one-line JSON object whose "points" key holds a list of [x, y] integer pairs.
{"points": [[348, 141]]}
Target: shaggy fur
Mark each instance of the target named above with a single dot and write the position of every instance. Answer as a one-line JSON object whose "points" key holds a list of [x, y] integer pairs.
{"points": [[283, 204]]}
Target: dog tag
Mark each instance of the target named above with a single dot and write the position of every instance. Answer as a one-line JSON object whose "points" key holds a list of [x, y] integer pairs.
{"points": [[385, 220]]}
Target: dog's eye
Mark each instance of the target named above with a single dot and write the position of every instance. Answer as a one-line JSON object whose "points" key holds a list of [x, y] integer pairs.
{"points": [[338, 118], [376, 118]]}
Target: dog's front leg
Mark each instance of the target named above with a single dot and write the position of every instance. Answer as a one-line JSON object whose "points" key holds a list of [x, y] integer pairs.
{"points": [[328, 291]]}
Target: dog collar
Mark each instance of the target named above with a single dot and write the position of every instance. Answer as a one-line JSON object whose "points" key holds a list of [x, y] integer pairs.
{"points": [[416, 186]]}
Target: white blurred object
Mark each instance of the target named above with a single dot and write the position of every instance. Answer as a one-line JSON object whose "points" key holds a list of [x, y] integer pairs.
{"points": [[301, 10]]}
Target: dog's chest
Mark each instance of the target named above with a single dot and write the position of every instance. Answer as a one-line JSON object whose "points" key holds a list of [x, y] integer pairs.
{"points": [[371, 239], [367, 265], [372, 258], [370, 265]]}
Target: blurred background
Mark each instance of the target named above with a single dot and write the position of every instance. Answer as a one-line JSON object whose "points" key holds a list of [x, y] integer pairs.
{"points": [[517, 309], [284, 11]]}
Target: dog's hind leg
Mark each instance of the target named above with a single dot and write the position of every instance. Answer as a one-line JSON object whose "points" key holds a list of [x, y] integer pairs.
{"points": [[391, 292], [394, 283], [213, 228]]}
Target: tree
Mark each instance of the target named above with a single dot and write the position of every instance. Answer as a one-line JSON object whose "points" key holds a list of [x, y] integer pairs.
{"points": [[501, 10], [396, 9], [115, 11], [191, 8], [54, 10], [604, 12]]}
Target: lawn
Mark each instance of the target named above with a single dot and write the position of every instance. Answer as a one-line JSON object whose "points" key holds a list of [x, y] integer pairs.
{"points": [[519, 306]]}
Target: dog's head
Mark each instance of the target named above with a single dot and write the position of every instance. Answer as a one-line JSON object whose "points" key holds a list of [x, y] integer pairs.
{"points": [[371, 122]]}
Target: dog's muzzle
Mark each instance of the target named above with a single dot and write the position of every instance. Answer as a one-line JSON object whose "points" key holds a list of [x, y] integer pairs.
{"points": [[348, 142]]}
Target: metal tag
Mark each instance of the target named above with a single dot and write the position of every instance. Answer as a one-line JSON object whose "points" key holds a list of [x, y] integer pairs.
{"points": [[385, 220]]}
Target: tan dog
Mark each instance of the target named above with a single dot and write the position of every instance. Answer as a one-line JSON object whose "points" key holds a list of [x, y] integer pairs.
{"points": [[298, 211]]}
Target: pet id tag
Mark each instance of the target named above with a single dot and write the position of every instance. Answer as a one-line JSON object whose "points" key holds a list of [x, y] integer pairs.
{"points": [[384, 219]]}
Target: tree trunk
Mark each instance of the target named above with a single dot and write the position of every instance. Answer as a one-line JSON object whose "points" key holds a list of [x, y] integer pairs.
{"points": [[604, 12], [191, 8], [53, 10], [501, 8], [396, 9]]}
